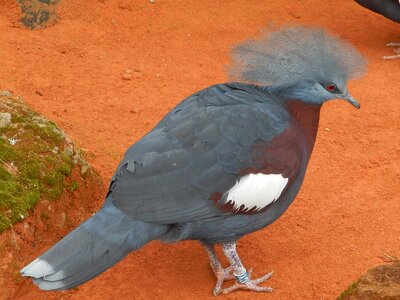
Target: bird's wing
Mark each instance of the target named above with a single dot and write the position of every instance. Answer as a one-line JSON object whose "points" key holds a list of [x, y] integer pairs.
{"points": [[199, 148], [389, 8]]}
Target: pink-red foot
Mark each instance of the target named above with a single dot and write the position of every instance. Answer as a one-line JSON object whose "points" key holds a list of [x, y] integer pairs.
{"points": [[250, 285], [396, 51], [221, 274]]}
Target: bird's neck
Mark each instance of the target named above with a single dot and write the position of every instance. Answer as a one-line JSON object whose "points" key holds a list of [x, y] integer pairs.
{"points": [[305, 117]]}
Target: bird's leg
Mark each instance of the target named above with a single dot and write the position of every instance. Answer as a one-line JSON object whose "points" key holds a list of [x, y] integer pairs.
{"points": [[397, 51], [220, 273], [243, 278]]}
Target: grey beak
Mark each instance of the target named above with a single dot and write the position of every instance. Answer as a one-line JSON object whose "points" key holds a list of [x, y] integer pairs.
{"points": [[351, 100]]}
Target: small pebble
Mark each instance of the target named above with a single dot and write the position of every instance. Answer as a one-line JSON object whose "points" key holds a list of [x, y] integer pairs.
{"points": [[127, 76], [85, 168], [5, 119], [68, 140], [5, 93], [12, 141], [69, 151]]}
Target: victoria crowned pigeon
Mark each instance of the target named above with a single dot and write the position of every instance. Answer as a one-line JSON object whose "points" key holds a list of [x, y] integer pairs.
{"points": [[225, 162], [389, 9]]}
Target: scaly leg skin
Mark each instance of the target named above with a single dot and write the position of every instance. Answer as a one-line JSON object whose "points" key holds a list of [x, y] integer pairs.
{"points": [[397, 51], [243, 278], [220, 273]]}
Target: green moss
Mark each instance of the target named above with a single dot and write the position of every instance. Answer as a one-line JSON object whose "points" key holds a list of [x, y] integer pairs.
{"points": [[4, 175], [32, 169], [74, 186], [349, 291], [64, 169], [32, 163], [17, 118]]}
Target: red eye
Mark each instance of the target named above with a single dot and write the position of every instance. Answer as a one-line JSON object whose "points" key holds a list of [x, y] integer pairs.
{"points": [[331, 87]]}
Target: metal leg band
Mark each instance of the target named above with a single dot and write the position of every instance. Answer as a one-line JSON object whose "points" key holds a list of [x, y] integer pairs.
{"points": [[242, 278]]}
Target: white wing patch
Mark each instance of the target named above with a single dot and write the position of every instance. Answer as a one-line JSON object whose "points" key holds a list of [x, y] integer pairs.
{"points": [[256, 190], [37, 268]]}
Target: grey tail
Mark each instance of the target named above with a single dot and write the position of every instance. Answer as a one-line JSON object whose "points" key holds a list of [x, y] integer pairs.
{"points": [[90, 249]]}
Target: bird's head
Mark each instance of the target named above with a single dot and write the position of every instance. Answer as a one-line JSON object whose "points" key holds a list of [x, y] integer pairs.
{"points": [[299, 63], [314, 91]]}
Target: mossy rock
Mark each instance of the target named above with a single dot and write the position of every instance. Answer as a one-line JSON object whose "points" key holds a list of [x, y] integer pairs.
{"points": [[382, 282], [36, 157], [38, 14]]}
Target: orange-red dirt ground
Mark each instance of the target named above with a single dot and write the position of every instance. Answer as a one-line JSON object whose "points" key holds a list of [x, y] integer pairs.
{"points": [[348, 211]]}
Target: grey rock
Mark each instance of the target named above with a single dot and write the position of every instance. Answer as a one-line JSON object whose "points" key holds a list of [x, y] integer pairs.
{"points": [[5, 119], [5, 93]]}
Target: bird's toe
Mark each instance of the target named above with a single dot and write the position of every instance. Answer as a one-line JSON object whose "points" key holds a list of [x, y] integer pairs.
{"points": [[263, 278], [396, 51], [393, 44], [393, 56], [251, 285], [222, 275]]}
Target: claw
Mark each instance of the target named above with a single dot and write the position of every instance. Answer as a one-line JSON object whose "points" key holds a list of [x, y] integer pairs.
{"points": [[393, 45], [396, 51], [392, 56]]}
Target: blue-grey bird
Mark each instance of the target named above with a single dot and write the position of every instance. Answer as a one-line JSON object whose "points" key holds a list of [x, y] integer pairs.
{"points": [[225, 162], [389, 9]]}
